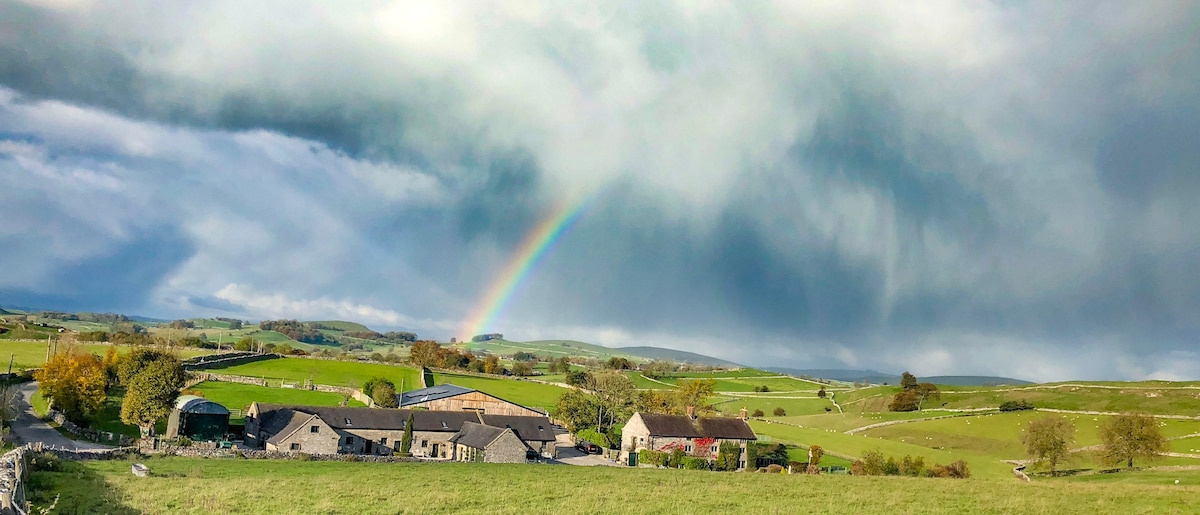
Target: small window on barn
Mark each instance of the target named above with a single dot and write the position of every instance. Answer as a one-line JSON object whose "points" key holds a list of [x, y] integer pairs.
{"points": [[295, 447], [444, 426], [347, 421], [424, 443], [687, 448], [396, 446], [714, 448], [349, 440], [314, 429], [383, 441]]}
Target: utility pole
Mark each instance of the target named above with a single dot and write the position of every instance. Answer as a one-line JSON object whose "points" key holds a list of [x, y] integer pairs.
{"points": [[10, 363]]}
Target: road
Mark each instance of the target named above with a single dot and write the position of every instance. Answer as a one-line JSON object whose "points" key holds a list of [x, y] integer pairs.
{"points": [[29, 428]]}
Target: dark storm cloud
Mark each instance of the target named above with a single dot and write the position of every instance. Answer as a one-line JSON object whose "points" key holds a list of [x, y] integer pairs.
{"points": [[951, 188]]}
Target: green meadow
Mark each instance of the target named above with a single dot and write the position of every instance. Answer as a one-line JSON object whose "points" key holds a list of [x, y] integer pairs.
{"points": [[25, 355], [195, 485], [240, 396]]}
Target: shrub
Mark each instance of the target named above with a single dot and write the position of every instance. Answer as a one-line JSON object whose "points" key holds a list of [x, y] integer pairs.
{"points": [[774, 469], [1015, 405], [796, 466], [872, 463], [757, 413], [677, 456], [649, 457], [890, 467], [956, 470], [812, 469], [762, 388], [779, 412], [45, 462], [910, 466], [693, 463], [728, 456], [858, 468], [185, 441]]}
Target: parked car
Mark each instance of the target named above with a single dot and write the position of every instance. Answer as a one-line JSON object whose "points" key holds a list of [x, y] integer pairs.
{"points": [[588, 447]]}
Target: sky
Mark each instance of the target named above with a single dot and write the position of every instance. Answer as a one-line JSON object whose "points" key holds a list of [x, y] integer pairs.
{"points": [[1004, 188]]}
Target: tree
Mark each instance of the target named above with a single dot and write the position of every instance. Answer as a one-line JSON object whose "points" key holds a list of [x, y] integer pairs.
{"points": [[491, 365], [151, 391], [235, 324], [425, 353], [1048, 439], [245, 344], [908, 381], [780, 412], [522, 369], [821, 393], [615, 394], [695, 392], [384, 395], [905, 400], [75, 383], [926, 391], [138, 359], [618, 363], [578, 378], [815, 452], [406, 439], [1129, 436]]}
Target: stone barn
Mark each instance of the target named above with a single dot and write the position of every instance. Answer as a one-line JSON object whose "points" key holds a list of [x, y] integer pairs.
{"points": [[197, 418], [449, 397]]}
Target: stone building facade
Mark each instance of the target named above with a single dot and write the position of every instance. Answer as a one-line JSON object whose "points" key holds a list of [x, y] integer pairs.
{"points": [[487, 444], [695, 436]]}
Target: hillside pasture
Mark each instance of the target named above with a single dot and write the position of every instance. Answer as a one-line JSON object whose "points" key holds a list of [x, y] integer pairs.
{"points": [[330, 372], [1167, 400], [26, 355], [195, 485], [731, 406], [238, 396]]}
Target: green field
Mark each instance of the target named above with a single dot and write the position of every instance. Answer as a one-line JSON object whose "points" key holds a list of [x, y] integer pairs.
{"points": [[194, 485], [526, 393], [237, 396], [552, 348], [330, 372], [33, 354], [807, 406]]}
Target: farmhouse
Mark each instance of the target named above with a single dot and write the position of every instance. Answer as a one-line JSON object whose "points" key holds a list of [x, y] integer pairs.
{"points": [[339, 430], [696, 436], [449, 397]]}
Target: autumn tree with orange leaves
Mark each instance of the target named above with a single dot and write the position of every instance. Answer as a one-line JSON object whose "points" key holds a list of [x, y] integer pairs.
{"points": [[74, 382]]}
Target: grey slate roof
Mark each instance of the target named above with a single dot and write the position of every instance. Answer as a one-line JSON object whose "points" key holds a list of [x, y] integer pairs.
{"points": [[370, 418], [529, 429], [432, 393], [684, 427], [294, 421], [476, 435]]}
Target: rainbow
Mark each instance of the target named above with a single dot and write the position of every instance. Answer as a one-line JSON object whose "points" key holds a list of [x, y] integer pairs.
{"points": [[532, 249]]}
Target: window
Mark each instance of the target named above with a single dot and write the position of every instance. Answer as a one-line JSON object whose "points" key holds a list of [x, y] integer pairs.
{"points": [[314, 429], [424, 443], [687, 448], [349, 440], [444, 426], [383, 441], [714, 448], [295, 447], [396, 446], [347, 421]]}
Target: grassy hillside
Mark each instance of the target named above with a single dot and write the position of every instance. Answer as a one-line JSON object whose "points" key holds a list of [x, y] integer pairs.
{"points": [[193, 485], [553, 348], [678, 356], [33, 354]]}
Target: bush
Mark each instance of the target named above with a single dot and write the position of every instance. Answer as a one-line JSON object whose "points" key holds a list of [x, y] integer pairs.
{"points": [[649, 457], [45, 462], [677, 456], [890, 467], [796, 466], [1015, 405], [728, 456], [910, 466], [693, 463], [185, 441], [773, 469], [956, 470], [757, 413], [873, 463], [858, 468], [762, 388], [779, 412]]}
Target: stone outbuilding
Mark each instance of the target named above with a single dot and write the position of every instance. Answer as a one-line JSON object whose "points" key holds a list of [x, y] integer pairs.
{"points": [[480, 443], [197, 418]]}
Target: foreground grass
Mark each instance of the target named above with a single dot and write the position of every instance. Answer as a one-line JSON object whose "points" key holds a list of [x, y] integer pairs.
{"points": [[191, 485]]}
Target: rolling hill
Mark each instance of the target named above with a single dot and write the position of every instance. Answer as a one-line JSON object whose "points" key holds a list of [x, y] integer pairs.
{"points": [[676, 355]]}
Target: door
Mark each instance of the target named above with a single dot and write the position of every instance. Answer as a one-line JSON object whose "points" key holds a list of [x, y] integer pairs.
{"points": [[633, 457], [435, 450], [367, 447]]}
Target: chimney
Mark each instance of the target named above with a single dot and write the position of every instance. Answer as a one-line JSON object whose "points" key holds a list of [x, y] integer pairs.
{"points": [[691, 412], [742, 414]]}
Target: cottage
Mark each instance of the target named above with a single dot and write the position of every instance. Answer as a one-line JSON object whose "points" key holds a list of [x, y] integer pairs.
{"points": [[340, 430], [449, 397], [477, 442], [695, 436]]}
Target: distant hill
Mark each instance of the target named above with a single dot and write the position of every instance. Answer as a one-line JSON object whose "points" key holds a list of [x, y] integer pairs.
{"points": [[876, 377], [849, 376], [3, 312], [974, 380], [342, 325], [676, 355]]}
